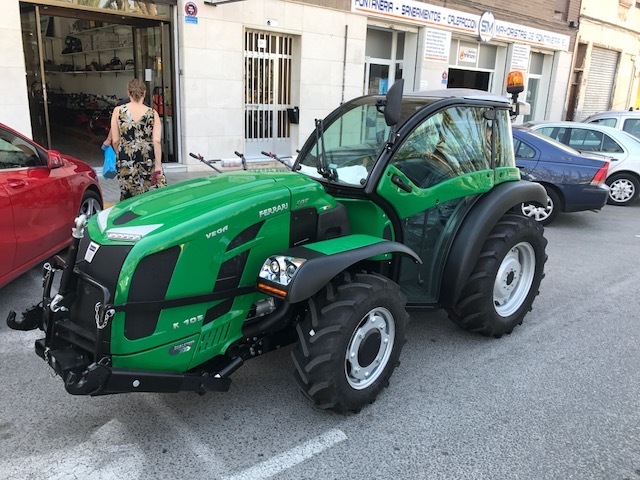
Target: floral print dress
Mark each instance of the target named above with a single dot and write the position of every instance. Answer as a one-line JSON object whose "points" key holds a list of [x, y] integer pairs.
{"points": [[135, 161]]}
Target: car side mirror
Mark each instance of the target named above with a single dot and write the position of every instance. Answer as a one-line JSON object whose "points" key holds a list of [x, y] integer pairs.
{"points": [[54, 160]]}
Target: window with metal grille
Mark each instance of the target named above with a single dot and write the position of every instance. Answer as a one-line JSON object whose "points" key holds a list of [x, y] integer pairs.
{"points": [[267, 85]]}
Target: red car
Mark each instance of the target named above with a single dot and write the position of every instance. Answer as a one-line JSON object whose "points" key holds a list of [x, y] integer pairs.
{"points": [[41, 193]]}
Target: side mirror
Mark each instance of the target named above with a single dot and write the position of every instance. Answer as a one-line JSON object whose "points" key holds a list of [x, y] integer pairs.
{"points": [[393, 103], [54, 160]]}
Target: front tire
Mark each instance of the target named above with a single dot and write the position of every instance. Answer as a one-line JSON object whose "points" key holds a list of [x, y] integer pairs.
{"points": [[623, 189], [350, 341], [505, 280]]}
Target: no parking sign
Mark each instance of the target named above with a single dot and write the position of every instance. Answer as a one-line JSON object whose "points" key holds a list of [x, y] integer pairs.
{"points": [[190, 12]]}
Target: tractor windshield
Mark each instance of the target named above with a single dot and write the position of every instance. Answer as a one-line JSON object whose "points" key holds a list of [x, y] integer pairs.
{"points": [[345, 150]]}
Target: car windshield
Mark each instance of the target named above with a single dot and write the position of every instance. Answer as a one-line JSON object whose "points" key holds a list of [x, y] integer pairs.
{"points": [[352, 142]]}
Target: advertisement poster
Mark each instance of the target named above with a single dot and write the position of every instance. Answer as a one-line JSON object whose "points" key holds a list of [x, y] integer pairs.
{"points": [[437, 44], [520, 57], [468, 55]]}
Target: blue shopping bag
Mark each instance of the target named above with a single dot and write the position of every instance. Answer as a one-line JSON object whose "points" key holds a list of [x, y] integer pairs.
{"points": [[109, 167]]}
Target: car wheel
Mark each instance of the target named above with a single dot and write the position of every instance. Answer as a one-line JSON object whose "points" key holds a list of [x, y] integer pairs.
{"points": [[543, 214], [505, 279], [623, 189], [91, 204], [350, 341]]}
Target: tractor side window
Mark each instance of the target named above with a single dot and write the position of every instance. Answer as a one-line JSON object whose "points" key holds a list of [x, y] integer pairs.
{"points": [[447, 144], [504, 140]]}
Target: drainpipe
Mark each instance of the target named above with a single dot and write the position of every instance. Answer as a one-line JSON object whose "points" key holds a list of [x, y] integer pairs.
{"points": [[631, 102], [344, 62]]}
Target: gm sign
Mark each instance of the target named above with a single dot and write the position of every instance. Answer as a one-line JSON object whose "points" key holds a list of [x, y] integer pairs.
{"points": [[486, 27]]}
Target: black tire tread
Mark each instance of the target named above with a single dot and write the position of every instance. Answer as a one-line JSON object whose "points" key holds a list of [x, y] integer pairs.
{"points": [[317, 356], [474, 311]]}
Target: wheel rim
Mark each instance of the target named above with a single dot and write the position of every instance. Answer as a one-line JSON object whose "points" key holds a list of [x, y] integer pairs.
{"points": [[538, 212], [369, 348], [622, 190], [90, 207], [514, 279]]}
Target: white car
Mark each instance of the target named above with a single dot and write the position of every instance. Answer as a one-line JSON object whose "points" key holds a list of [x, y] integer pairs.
{"points": [[622, 149], [626, 120]]}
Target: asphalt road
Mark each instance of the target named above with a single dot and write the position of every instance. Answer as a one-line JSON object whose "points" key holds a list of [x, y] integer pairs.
{"points": [[557, 399]]}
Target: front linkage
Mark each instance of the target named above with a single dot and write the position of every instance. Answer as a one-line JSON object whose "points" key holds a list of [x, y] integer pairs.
{"points": [[87, 370]]}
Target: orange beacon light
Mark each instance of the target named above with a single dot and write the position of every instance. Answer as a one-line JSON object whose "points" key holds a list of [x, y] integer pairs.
{"points": [[515, 83], [515, 86]]}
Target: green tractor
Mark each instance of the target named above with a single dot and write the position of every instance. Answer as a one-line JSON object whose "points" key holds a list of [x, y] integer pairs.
{"points": [[395, 202]]}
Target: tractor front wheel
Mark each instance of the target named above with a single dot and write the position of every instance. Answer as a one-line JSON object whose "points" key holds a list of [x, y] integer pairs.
{"points": [[505, 279], [350, 341]]}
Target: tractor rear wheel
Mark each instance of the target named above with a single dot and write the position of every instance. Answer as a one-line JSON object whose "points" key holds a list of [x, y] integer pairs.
{"points": [[350, 341], [505, 279]]}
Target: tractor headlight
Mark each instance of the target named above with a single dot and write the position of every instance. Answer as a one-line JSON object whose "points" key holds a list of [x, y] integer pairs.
{"points": [[131, 234], [274, 268], [280, 269]]}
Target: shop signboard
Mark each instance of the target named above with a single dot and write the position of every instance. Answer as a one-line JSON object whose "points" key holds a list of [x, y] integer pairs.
{"points": [[137, 7], [485, 26]]}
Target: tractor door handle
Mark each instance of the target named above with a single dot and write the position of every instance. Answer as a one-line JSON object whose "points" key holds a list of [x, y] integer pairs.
{"points": [[396, 180]]}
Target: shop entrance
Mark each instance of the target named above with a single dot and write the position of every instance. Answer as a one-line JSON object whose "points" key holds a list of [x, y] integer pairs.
{"points": [[384, 56], [78, 64]]}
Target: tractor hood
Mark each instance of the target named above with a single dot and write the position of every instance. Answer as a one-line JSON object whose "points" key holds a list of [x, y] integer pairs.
{"points": [[208, 203]]}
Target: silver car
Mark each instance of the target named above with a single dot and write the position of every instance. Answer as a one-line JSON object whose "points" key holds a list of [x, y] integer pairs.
{"points": [[622, 148], [625, 120]]}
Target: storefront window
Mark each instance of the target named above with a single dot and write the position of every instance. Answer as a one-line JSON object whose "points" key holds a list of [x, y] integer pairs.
{"points": [[536, 64], [383, 61], [487, 58], [378, 43]]}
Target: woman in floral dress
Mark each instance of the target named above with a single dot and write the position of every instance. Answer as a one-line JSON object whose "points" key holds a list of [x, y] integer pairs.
{"points": [[135, 136]]}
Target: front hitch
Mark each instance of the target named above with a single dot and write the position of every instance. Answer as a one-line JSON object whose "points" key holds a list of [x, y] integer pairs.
{"points": [[30, 320]]}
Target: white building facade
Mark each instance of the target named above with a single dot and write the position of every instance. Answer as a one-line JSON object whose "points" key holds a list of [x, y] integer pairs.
{"points": [[252, 76], [606, 66]]}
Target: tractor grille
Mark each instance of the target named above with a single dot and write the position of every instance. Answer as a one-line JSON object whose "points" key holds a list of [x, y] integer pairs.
{"points": [[80, 329], [150, 283]]}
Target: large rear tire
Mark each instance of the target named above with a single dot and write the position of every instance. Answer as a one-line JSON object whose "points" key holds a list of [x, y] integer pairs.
{"points": [[505, 280], [350, 341]]}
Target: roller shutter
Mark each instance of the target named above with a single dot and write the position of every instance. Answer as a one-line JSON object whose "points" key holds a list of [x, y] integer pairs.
{"points": [[602, 74]]}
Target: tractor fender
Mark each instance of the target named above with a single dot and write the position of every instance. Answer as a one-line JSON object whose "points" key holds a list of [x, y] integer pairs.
{"points": [[475, 229], [326, 259]]}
